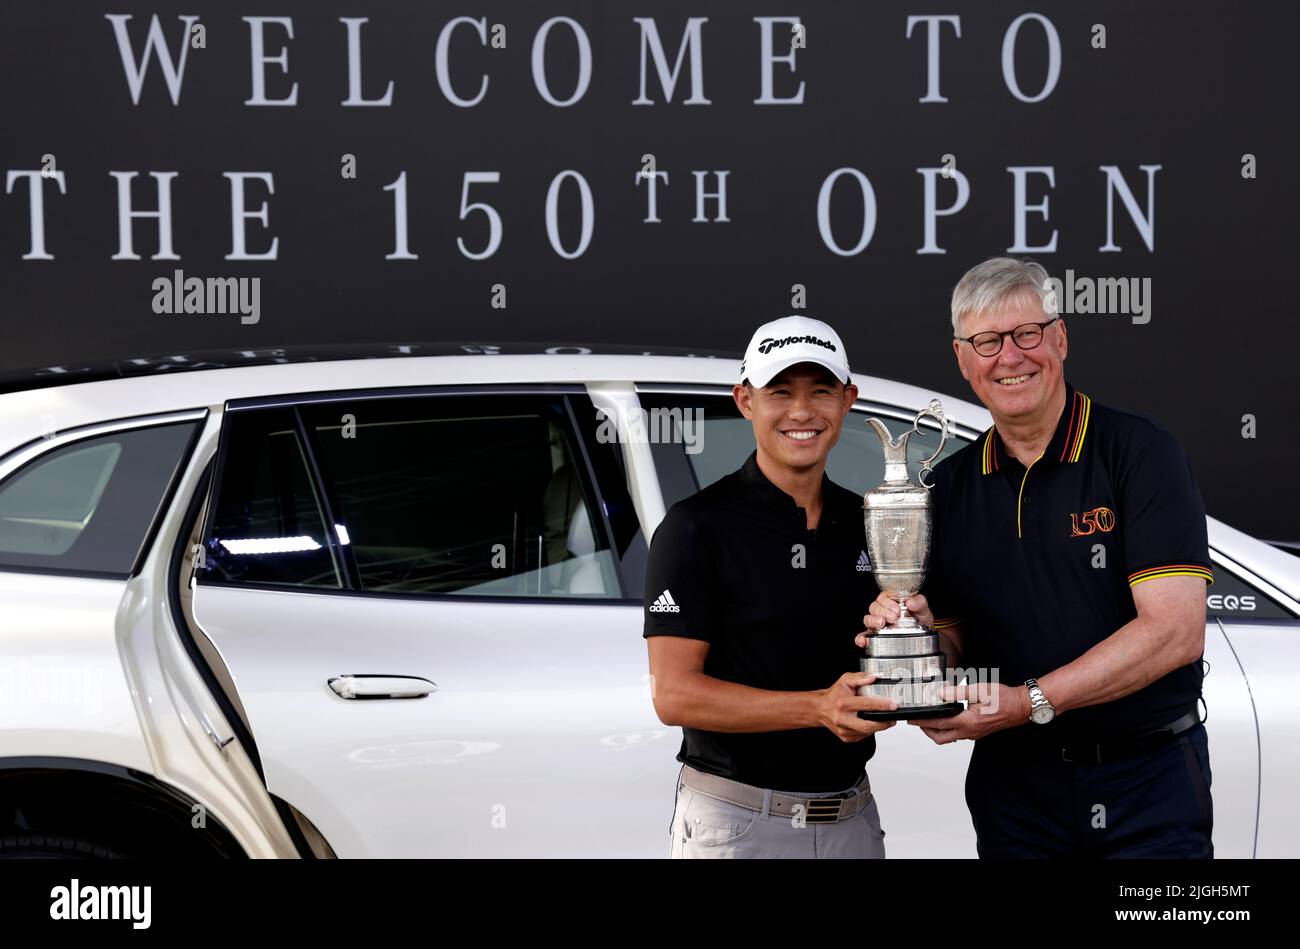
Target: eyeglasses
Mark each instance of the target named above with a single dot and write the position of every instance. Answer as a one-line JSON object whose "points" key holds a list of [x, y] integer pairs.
{"points": [[1026, 335]]}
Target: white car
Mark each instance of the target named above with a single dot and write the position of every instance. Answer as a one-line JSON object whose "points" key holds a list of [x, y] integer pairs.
{"points": [[393, 607]]}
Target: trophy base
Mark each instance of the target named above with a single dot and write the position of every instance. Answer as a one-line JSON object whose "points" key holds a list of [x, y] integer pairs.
{"points": [[947, 710]]}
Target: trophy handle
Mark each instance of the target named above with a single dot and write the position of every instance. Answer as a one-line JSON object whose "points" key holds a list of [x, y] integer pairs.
{"points": [[935, 411]]}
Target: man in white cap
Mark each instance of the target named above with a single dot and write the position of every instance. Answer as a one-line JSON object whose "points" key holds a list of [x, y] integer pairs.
{"points": [[751, 587]]}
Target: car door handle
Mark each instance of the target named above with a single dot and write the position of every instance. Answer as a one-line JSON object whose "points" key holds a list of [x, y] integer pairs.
{"points": [[381, 687]]}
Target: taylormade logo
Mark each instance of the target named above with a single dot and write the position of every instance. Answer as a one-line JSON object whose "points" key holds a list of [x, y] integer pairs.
{"points": [[769, 344], [665, 604], [103, 902]]}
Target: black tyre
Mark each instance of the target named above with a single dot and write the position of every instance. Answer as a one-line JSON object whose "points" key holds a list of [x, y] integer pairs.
{"points": [[44, 847]]}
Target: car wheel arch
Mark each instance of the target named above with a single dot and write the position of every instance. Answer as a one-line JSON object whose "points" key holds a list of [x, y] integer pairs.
{"points": [[112, 805]]}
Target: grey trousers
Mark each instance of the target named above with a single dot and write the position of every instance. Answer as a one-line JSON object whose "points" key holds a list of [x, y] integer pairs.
{"points": [[705, 828]]}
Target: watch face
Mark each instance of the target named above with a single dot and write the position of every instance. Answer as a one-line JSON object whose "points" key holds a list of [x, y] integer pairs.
{"points": [[1042, 716]]}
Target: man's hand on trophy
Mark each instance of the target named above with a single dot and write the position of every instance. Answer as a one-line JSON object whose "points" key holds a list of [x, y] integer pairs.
{"points": [[884, 610], [991, 707], [838, 707]]}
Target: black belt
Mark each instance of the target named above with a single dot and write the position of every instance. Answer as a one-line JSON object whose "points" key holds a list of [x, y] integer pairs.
{"points": [[1128, 746]]}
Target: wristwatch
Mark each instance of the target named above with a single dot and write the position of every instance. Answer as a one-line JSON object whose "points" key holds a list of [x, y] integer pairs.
{"points": [[1041, 711]]}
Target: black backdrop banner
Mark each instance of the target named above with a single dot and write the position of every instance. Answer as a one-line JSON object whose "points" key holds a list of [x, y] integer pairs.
{"points": [[664, 175]]}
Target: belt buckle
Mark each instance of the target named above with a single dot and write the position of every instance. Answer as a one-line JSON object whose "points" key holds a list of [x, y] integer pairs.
{"points": [[824, 810]]}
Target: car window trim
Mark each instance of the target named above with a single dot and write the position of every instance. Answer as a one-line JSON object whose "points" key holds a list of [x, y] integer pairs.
{"points": [[415, 595], [20, 456], [402, 392], [1251, 579]]}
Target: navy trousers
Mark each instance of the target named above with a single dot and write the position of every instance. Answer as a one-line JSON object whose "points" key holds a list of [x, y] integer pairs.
{"points": [[1155, 805]]}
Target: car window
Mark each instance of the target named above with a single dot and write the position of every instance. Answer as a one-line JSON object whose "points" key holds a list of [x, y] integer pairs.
{"points": [[1230, 597], [87, 507], [268, 524], [478, 495], [707, 436]]}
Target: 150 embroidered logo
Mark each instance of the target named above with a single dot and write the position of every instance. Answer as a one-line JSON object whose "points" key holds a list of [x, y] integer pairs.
{"points": [[1090, 522]]}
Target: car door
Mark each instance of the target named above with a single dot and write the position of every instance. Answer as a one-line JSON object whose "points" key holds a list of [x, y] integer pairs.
{"points": [[78, 512], [1250, 696], [920, 788], [432, 617]]}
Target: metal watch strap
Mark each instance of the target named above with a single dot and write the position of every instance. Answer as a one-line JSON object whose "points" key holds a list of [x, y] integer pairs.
{"points": [[1037, 699]]}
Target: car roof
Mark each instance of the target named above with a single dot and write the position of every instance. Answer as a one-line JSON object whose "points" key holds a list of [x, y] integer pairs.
{"points": [[25, 414], [146, 387], [12, 380]]}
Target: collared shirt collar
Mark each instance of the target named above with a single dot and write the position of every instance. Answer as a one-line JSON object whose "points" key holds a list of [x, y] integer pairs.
{"points": [[759, 483], [1066, 446]]}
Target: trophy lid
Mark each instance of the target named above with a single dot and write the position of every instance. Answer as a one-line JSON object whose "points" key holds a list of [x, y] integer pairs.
{"points": [[895, 450]]}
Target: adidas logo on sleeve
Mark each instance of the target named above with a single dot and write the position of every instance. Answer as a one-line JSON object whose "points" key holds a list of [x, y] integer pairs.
{"points": [[864, 563], [665, 604]]}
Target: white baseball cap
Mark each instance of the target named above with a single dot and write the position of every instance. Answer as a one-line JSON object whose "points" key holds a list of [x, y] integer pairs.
{"points": [[780, 344]]}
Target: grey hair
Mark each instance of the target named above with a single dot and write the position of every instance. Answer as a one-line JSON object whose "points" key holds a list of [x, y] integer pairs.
{"points": [[992, 283]]}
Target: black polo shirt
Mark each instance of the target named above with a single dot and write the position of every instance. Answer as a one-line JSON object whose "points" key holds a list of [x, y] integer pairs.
{"points": [[1038, 564], [779, 605]]}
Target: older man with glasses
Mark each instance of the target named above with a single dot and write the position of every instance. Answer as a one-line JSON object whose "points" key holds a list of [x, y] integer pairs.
{"points": [[1070, 559]]}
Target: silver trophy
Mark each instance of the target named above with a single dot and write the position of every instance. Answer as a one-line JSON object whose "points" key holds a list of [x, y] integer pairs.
{"points": [[905, 656]]}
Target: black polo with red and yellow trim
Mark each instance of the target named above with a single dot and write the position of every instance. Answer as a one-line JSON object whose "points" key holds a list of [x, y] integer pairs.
{"points": [[1038, 564], [736, 566]]}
